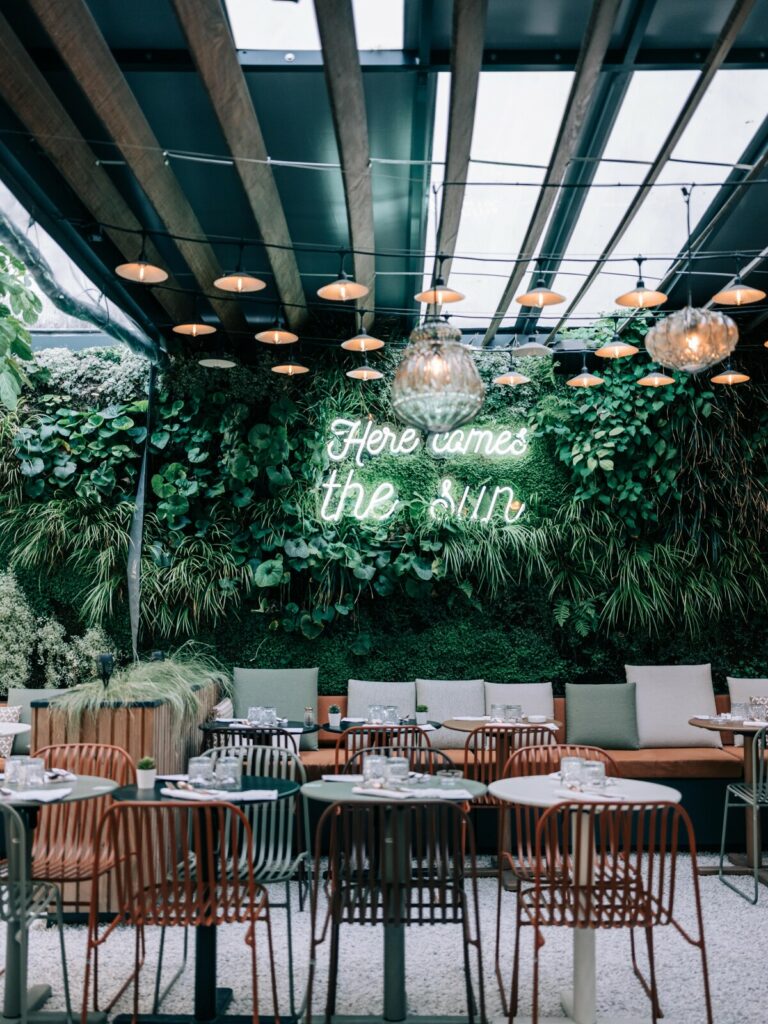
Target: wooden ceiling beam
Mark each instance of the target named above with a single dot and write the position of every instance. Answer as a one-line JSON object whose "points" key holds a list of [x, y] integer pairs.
{"points": [[36, 105], [81, 45], [597, 38], [208, 34], [344, 81]]}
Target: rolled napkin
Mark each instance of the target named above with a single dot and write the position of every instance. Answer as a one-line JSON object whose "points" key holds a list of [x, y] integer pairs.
{"points": [[427, 728], [577, 796], [342, 778], [387, 794], [228, 795], [444, 793], [346, 718], [43, 796], [471, 718]]}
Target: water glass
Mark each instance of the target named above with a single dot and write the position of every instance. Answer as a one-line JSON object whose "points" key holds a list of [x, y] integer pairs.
{"points": [[269, 718], [498, 712], [375, 714], [229, 772], [33, 772], [374, 768], [593, 775], [255, 715], [571, 770], [513, 713], [396, 770], [14, 769], [199, 772], [740, 711], [391, 714], [449, 777]]}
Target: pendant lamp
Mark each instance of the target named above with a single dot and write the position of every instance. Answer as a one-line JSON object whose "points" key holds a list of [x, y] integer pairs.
{"points": [[656, 379], [238, 281], [217, 363], [195, 329], [738, 294], [290, 368], [140, 271], [277, 334], [365, 373], [616, 348], [362, 341], [729, 376], [439, 294], [344, 288], [641, 297], [540, 295], [585, 379]]}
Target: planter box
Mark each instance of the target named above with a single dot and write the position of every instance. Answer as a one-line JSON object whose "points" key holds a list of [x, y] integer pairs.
{"points": [[143, 728]]}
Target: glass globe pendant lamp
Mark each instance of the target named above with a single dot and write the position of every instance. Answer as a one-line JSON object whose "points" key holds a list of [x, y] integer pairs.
{"points": [[437, 386], [692, 339]]}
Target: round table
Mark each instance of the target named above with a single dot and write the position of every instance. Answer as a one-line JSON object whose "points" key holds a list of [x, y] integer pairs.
{"points": [[347, 724], [239, 729], [470, 724], [14, 728], [210, 1002], [85, 787], [741, 864], [545, 791], [395, 996]]}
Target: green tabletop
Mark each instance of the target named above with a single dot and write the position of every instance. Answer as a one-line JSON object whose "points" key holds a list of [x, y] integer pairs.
{"points": [[333, 792]]}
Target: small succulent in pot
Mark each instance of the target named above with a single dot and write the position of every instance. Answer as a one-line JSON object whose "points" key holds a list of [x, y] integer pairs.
{"points": [[334, 716], [146, 773], [421, 714]]}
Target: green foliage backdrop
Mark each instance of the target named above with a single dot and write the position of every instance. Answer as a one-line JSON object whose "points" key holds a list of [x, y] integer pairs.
{"points": [[644, 537]]}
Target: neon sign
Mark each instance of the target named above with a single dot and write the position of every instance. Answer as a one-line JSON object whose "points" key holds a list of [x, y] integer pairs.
{"points": [[345, 495]]}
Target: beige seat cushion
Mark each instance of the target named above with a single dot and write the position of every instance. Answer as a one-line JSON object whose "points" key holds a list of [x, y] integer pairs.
{"points": [[667, 696], [679, 763], [447, 698]]}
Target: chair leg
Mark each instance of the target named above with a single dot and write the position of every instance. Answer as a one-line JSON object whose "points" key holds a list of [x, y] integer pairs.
{"points": [[22, 937], [65, 972], [333, 973], [707, 990], [289, 935], [655, 1007], [159, 998], [756, 850], [514, 992], [499, 980], [755, 853], [536, 947], [468, 979]]}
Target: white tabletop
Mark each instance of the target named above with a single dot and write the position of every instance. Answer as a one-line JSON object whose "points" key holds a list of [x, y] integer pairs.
{"points": [[13, 728], [545, 791]]}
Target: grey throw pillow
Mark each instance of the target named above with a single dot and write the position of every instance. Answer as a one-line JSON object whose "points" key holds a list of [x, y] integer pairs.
{"points": [[602, 715]]}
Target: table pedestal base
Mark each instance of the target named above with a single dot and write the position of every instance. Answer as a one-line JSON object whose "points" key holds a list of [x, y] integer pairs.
{"points": [[37, 996], [738, 865], [223, 999]]}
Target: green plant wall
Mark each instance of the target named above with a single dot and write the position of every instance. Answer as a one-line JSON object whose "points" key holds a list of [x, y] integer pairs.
{"points": [[643, 537]]}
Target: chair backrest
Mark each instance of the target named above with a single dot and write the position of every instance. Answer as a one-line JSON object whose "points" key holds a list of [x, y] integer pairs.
{"points": [[546, 759], [759, 742], [427, 760], [363, 737], [489, 747], [261, 736], [612, 865], [397, 864], [64, 839], [152, 846], [273, 762]]}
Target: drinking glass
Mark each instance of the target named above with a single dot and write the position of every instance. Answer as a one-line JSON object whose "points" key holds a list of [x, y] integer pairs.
{"points": [[14, 769], [593, 775], [375, 714], [391, 714], [397, 770], [513, 713], [740, 711], [450, 777], [269, 718], [255, 715], [571, 770], [497, 712], [33, 772], [199, 772], [374, 766], [229, 772]]}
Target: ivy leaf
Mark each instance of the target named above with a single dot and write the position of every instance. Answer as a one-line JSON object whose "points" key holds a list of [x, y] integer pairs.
{"points": [[32, 467], [279, 477], [160, 438], [423, 569], [269, 573], [364, 572], [309, 628], [606, 464], [65, 471], [296, 549]]}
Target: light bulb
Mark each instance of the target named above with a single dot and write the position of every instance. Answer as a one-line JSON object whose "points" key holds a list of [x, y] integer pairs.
{"points": [[693, 342], [142, 271]]}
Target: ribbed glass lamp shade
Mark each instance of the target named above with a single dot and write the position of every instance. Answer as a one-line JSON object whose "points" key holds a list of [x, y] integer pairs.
{"points": [[342, 289], [196, 330], [738, 294], [365, 372], [277, 334], [540, 295], [730, 376], [239, 283], [692, 339], [217, 363], [641, 297], [290, 369], [512, 379], [141, 272], [362, 342], [616, 349], [437, 386], [439, 294], [656, 379]]}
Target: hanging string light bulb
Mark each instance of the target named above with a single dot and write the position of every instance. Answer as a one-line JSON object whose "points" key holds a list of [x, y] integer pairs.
{"points": [[362, 341], [290, 368], [277, 334], [585, 379], [737, 293], [439, 293], [729, 376], [512, 377], [691, 339], [540, 295], [364, 372], [195, 329], [656, 379], [641, 297], [238, 281], [344, 288], [141, 271], [217, 363], [616, 348]]}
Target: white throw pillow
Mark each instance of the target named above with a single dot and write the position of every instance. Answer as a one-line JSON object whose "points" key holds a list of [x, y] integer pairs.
{"points": [[533, 698], [447, 698], [667, 696], [742, 690], [362, 692]]}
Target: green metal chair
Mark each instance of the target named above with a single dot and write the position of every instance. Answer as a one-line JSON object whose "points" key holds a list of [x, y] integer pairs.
{"points": [[23, 900], [751, 796]]}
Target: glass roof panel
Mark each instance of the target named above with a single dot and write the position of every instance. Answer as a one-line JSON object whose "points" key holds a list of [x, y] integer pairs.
{"points": [[729, 114], [495, 217], [267, 25]]}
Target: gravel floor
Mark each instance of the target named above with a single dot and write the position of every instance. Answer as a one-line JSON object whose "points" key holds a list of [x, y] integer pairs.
{"points": [[736, 934]]}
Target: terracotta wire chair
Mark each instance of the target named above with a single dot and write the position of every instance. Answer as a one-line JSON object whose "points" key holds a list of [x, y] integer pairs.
{"points": [[489, 747], [259, 736], [363, 737], [609, 866], [427, 760], [429, 880], [157, 844], [516, 843]]}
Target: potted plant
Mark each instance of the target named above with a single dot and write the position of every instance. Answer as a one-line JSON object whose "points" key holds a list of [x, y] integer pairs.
{"points": [[334, 716], [421, 714], [146, 773]]}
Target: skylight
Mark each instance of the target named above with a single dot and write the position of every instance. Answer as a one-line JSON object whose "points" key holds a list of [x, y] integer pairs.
{"points": [[282, 25]]}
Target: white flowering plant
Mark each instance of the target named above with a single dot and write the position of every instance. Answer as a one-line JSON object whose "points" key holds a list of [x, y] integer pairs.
{"points": [[17, 633]]}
